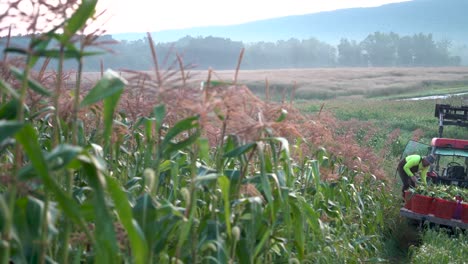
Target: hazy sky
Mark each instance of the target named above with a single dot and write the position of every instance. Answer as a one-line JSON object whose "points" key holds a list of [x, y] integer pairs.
{"points": [[152, 15], [155, 15]]}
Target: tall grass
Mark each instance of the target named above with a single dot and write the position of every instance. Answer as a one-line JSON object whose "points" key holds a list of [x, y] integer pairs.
{"points": [[441, 246]]}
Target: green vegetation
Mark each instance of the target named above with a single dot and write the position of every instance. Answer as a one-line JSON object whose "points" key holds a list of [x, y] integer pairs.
{"points": [[410, 119], [441, 247], [452, 193], [399, 122], [106, 175]]}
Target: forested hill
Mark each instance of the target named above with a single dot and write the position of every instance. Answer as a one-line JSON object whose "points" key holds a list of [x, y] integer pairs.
{"points": [[445, 19]]}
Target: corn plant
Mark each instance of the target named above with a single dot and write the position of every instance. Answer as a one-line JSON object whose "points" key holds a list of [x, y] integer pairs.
{"points": [[147, 190]]}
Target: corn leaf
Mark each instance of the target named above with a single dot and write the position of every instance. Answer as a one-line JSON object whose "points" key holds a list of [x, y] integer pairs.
{"points": [[7, 89], [78, 19], [263, 174], [28, 138], [106, 242], [110, 103], [35, 86], [9, 128], [67, 54], [240, 150], [60, 157], [224, 184], [135, 234], [159, 113], [111, 83]]}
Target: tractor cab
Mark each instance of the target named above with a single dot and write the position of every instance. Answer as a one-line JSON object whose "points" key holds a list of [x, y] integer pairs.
{"points": [[451, 166], [451, 154]]}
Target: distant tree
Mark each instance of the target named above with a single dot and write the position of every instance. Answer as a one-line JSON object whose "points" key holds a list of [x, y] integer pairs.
{"points": [[218, 53], [424, 54], [350, 53], [377, 49], [262, 55], [318, 54], [405, 51], [381, 48]]}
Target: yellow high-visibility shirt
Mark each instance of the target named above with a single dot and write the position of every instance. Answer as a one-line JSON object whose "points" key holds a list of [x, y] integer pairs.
{"points": [[413, 161]]}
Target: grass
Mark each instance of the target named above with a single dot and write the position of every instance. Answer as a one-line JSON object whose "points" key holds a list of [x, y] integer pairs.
{"points": [[439, 90], [441, 246], [343, 83]]}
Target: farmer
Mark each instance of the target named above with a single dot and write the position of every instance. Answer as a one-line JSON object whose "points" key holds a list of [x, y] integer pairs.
{"points": [[409, 166]]}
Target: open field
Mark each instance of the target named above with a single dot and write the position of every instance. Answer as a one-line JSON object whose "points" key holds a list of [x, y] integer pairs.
{"points": [[369, 82], [327, 83], [347, 77]]}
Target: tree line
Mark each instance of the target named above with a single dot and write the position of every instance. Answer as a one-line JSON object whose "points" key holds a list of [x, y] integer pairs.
{"points": [[377, 49]]}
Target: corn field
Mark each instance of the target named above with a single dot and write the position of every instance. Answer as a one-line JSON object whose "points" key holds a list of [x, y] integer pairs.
{"points": [[149, 170]]}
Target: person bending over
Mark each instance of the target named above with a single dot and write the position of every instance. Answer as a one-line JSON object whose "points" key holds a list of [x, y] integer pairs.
{"points": [[411, 165]]}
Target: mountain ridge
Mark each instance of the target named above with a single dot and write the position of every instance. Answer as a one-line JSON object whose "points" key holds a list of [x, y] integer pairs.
{"points": [[445, 19]]}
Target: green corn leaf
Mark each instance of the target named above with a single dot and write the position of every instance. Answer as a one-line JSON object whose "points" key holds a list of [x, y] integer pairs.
{"points": [[21, 51], [170, 145], [159, 112], [224, 184], [316, 174], [67, 54], [106, 242], [204, 149], [173, 147], [65, 153], [5, 215], [263, 174], [38, 44], [215, 83], [181, 126], [240, 150], [110, 103], [28, 138], [135, 234], [9, 128], [230, 143], [9, 110], [82, 139], [260, 246], [60, 157], [311, 215], [35, 86], [298, 225], [42, 111], [110, 84], [27, 219], [206, 178], [7, 89], [284, 114], [233, 175], [78, 19]]}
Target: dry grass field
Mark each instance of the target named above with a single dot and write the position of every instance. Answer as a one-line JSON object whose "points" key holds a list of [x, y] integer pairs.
{"points": [[325, 83], [347, 78], [354, 81]]}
